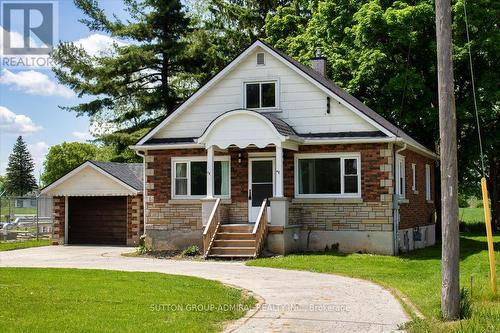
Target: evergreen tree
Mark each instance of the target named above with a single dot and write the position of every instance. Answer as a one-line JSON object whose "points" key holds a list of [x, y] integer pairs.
{"points": [[136, 83], [19, 178], [224, 28]]}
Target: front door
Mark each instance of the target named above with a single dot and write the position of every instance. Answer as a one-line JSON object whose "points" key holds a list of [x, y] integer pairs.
{"points": [[260, 185]]}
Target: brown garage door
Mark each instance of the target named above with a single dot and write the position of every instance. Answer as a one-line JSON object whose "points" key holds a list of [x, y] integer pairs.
{"points": [[97, 220]]}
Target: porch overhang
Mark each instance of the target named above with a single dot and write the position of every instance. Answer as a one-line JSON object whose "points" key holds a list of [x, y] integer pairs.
{"points": [[243, 128]]}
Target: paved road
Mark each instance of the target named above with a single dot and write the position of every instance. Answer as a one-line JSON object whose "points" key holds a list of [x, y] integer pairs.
{"points": [[292, 301]]}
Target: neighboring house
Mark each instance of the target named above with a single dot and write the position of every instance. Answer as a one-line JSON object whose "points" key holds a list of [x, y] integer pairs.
{"points": [[31, 201], [25, 202], [336, 173]]}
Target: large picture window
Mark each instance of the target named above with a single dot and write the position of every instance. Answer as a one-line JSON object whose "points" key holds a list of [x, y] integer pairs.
{"points": [[328, 175], [260, 95], [190, 177]]}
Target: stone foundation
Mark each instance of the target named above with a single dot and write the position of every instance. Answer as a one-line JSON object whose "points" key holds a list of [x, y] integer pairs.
{"points": [[160, 238]]}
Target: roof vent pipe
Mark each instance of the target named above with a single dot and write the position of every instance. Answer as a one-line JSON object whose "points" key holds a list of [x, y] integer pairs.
{"points": [[318, 63]]}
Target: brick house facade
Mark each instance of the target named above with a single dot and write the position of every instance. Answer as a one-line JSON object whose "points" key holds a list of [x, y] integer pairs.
{"points": [[174, 224], [268, 131]]}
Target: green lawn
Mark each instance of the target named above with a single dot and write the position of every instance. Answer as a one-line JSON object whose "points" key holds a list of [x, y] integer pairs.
{"points": [[7, 246], [471, 215], [71, 300], [418, 276]]}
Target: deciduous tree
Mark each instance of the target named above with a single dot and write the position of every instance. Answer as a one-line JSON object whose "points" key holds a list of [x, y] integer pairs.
{"points": [[66, 156]]}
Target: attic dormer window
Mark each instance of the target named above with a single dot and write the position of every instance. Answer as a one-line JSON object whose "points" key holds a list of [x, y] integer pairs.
{"points": [[259, 95], [261, 60]]}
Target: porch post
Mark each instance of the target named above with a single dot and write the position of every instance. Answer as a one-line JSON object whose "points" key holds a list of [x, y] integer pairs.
{"points": [[279, 171], [210, 172]]}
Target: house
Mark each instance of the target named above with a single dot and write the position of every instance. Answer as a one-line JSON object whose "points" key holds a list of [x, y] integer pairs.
{"points": [[270, 150], [25, 202]]}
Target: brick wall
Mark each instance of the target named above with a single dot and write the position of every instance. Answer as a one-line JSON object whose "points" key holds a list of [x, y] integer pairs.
{"points": [[375, 166], [58, 214], [417, 211], [160, 212], [374, 213], [135, 218]]}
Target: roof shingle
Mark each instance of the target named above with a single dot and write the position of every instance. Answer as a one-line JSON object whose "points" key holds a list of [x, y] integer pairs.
{"points": [[129, 173]]}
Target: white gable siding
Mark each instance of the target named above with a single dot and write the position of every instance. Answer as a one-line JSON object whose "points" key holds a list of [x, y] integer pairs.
{"points": [[301, 104], [89, 182]]}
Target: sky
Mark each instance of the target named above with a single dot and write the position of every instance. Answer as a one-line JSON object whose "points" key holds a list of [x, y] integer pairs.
{"points": [[30, 96]]}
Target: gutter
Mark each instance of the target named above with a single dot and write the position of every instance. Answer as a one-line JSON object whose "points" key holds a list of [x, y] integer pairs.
{"points": [[167, 146], [395, 204], [298, 140], [143, 189]]}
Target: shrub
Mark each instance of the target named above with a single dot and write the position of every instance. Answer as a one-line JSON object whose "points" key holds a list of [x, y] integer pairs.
{"points": [[465, 304], [142, 248], [473, 227], [191, 251], [473, 202], [463, 201]]}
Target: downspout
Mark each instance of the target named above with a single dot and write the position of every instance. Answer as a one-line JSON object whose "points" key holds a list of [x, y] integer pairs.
{"points": [[395, 204], [143, 189]]}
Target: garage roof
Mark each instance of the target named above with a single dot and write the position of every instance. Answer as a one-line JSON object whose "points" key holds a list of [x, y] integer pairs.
{"points": [[129, 173], [94, 178]]}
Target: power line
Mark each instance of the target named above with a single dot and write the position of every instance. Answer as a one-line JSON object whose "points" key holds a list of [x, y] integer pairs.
{"points": [[474, 89]]}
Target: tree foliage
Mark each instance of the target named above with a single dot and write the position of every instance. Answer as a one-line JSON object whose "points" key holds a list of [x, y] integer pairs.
{"points": [[384, 52], [2, 184], [19, 179], [66, 156], [140, 79], [164, 54]]}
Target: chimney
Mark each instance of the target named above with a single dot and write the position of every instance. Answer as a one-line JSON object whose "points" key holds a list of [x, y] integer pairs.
{"points": [[318, 63]]}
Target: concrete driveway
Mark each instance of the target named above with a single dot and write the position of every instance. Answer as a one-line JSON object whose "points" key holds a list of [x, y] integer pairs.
{"points": [[292, 301]]}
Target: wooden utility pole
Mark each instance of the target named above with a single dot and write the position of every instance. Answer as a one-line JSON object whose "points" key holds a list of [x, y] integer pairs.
{"points": [[450, 292]]}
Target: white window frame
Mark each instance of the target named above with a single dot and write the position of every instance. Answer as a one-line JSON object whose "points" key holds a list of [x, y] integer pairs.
{"points": [[342, 156], [414, 177], [260, 82], [428, 193], [188, 160], [400, 173]]}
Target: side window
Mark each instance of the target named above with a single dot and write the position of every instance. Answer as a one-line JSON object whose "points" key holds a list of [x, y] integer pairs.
{"points": [[428, 194], [400, 176], [413, 177]]}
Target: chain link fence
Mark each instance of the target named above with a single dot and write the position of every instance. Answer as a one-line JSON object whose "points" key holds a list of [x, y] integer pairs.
{"points": [[25, 218]]}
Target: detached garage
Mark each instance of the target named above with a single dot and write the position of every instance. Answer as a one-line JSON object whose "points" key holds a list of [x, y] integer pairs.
{"points": [[98, 203]]}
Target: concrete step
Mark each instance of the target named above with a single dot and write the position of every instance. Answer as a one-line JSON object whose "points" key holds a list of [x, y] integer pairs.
{"points": [[230, 256], [236, 228], [234, 243], [232, 251], [234, 235]]}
